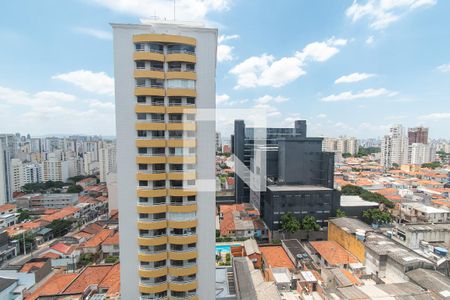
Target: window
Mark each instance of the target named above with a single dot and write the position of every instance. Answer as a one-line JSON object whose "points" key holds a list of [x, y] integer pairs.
{"points": [[141, 99], [140, 47], [181, 84], [141, 116], [140, 65], [140, 82]]}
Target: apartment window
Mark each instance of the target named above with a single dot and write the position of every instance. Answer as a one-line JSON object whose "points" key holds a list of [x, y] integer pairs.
{"points": [[141, 99], [141, 116], [181, 84], [140, 65], [140, 82], [140, 47]]}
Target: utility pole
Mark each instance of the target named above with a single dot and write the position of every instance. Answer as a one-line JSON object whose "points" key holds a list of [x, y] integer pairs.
{"points": [[24, 245]]}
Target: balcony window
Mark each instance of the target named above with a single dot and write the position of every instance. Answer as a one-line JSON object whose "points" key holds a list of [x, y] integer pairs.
{"points": [[175, 101], [186, 49], [140, 65], [143, 167], [174, 66], [181, 216], [141, 99], [176, 118], [190, 67], [156, 66], [181, 84], [158, 48], [141, 116], [190, 101], [140, 47]]}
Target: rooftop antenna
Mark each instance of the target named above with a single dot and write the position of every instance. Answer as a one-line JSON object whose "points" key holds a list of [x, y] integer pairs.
{"points": [[174, 6]]}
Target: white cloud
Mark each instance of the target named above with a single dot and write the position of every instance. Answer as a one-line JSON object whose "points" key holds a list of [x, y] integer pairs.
{"points": [[97, 33], [225, 52], [54, 112], [265, 70], [370, 40], [221, 99], [99, 83], [266, 99], [163, 9], [382, 13], [445, 68], [367, 93], [223, 38], [435, 116], [43, 98], [354, 77], [322, 116]]}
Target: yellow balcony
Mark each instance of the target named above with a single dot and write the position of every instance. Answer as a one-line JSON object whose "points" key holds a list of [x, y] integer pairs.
{"points": [[151, 257], [181, 57], [181, 109], [182, 271], [143, 125], [187, 143], [182, 224], [189, 159], [188, 126], [151, 193], [152, 273], [150, 176], [142, 159], [182, 255], [148, 91], [150, 143], [171, 92], [164, 38], [183, 239], [182, 208], [182, 192], [188, 175], [150, 109], [151, 209], [156, 288], [183, 287], [149, 74], [151, 225], [152, 241], [148, 56], [181, 75]]}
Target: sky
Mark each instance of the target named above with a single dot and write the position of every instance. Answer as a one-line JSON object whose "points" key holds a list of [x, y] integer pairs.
{"points": [[348, 67]]}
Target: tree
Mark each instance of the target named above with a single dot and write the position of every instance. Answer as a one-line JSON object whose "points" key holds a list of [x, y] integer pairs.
{"points": [[75, 189], [86, 259], [353, 190], [111, 259], [376, 216], [367, 151], [432, 165], [60, 227], [289, 223], [309, 223], [29, 240], [340, 213], [24, 215], [346, 155]]}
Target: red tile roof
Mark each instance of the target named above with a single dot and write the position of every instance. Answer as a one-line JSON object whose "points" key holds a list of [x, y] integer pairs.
{"points": [[61, 214], [50, 255], [333, 253], [112, 240], [32, 266], [63, 248], [7, 207], [97, 239], [276, 257], [54, 285], [91, 275]]}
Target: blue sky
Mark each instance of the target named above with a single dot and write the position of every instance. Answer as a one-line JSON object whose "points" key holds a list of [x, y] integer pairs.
{"points": [[348, 67]]}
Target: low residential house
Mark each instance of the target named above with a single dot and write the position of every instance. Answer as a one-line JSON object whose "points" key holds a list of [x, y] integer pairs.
{"points": [[41, 201], [331, 254], [63, 255], [84, 183], [63, 214], [253, 253], [44, 235], [414, 212], [93, 245], [8, 288], [8, 249], [8, 215], [242, 221], [110, 246], [29, 273]]}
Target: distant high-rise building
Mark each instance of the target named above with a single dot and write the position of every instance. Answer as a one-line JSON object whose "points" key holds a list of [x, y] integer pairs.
{"points": [[243, 142], [55, 169], [418, 135], [5, 176], [421, 153], [165, 160], [394, 147], [341, 145], [24, 173], [107, 161], [218, 142]]}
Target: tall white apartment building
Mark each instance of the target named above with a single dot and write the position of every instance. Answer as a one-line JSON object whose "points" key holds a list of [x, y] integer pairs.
{"points": [[24, 173], [107, 161], [5, 176], [342, 144], [164, 80], [421, 153], [394, 147], [55, 169]]}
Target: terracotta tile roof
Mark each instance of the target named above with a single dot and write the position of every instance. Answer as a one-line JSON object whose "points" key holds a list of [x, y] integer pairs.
{"points": [[387, 191], [441, 202], [333, 253], [63, 248], [111, 278], [7, 207], [32, 266], [86, 199], [102, 199], [92, 228], [90, 275], [112, 240], [350, 277], [54, 285], [97, 239], [61, 214], [276, 257], [50, 255]]}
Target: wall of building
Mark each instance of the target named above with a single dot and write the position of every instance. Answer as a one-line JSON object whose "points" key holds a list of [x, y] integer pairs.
{"points": [[346, 240]]}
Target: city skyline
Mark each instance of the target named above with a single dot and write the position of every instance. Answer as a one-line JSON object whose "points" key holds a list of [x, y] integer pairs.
{"points": [[345, 62]]}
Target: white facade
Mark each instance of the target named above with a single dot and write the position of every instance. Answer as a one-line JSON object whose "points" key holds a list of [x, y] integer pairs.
{"points": [[420, 153], [55, 169], [24, 173], [394, 147], [131, 240], [5, 176], [341, 145], [107, 161]]}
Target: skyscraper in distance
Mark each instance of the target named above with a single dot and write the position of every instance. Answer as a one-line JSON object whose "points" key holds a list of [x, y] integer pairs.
{"points": [[164, 74]]}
